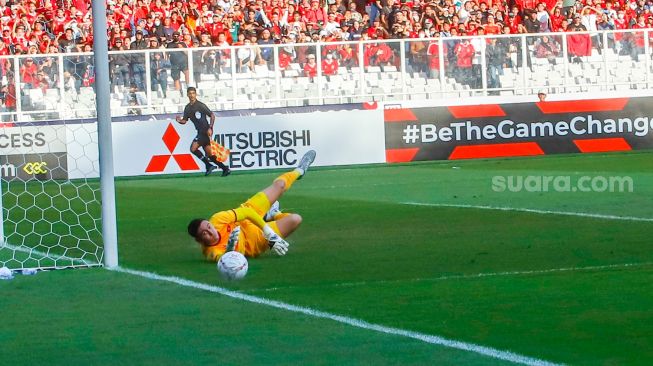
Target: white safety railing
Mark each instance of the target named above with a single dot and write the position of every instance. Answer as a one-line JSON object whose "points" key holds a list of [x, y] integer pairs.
{"points": [[60, 86]]}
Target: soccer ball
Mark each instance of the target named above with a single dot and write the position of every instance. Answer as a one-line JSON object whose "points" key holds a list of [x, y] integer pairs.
{"points": [[232, 266]]}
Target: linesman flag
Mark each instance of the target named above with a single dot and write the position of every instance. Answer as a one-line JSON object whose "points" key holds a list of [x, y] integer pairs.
{"points": [[220, 152]]}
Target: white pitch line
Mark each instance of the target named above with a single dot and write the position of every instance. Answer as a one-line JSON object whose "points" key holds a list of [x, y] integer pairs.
{"points": [[432, 339], [531, 210], [468, 276]]}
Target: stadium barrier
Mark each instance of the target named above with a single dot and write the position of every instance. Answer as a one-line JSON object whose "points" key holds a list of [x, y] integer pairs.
{"points": [[60, 86], [161, 146], [345, 135], [517, 129]]}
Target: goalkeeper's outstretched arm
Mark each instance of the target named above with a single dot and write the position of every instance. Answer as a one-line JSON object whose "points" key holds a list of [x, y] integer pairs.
{"points": [[276, 242], [247, 213]]}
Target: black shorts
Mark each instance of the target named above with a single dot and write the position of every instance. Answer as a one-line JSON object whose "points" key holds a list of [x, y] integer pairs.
{"points": [[202, 139], [177, 69], [175, 74]]}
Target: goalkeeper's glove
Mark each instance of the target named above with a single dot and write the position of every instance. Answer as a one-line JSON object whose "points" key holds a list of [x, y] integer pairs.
{"points": [[276, 243], [233, 239]]}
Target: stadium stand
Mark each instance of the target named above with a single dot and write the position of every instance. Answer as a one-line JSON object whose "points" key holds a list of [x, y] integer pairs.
{"points": [[273, 53]]}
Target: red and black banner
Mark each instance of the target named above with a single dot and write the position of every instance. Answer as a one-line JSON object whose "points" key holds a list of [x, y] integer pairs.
{"points": [[518, 129]]}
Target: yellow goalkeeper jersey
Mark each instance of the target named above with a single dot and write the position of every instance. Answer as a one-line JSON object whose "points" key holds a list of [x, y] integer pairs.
{"points": [[249, 216]]}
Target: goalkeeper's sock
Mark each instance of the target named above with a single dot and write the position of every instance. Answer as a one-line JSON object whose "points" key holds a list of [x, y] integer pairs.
{"points": [[280, 216], [289, 178]]}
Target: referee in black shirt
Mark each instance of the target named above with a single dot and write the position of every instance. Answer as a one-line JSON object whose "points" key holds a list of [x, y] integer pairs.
{"points": [[199, 114]]}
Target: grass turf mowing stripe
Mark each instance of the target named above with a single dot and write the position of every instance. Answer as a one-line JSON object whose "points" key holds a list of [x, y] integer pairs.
{"points": [[432, 339], [470, 276], [532, 210]]}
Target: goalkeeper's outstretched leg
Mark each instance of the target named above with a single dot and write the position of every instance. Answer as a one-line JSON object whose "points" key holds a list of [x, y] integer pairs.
{"points": [[288, 223]]}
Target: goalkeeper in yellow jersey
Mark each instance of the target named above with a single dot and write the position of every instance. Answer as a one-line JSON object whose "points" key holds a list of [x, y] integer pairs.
{"points": [[255, 226]]}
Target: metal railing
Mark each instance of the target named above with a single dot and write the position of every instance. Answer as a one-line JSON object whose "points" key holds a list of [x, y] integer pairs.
{"points": [[60, 86]]}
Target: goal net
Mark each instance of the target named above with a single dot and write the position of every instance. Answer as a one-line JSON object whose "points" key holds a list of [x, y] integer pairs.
{"points": [[50, 200]]}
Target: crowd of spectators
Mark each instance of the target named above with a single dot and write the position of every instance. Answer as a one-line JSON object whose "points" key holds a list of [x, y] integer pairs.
{"points": [[37, 27]]}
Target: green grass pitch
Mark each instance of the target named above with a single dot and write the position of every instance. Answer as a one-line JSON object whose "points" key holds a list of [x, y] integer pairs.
{"points": [[376, 244]]}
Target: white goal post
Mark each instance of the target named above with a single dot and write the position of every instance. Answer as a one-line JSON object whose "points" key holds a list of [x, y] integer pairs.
{"points": [[102, 88], [2, 230]]}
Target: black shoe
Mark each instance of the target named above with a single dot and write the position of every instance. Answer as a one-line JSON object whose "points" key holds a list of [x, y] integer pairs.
{"points": [[210, 169], [226, 172]]}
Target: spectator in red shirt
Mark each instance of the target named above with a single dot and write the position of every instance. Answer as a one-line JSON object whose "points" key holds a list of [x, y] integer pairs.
{"points": [[329, 65], [28, 71], [620, 23], [491, 27], [433, 52], [31, 13], [214, 28], [514, 20], [315, 17], [376, 24], [176, 20], [156, 7], [4, 50], [8, 93], [556, 19], [58, 22], [5, 11], [378, 54], [20, 37], [348, 56], [286, 55], [310, 67]]}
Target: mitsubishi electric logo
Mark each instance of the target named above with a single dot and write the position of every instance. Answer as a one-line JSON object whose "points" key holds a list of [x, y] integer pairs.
{"points": [[158, 163]]}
